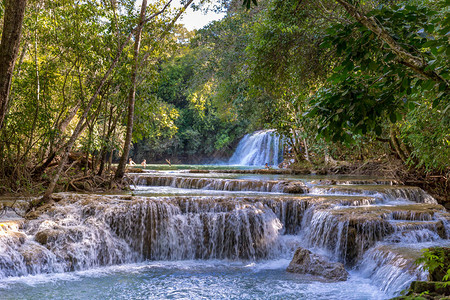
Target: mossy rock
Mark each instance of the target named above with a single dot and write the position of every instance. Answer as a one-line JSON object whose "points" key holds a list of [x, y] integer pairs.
{"points": [[426, 290], [432, 287]]}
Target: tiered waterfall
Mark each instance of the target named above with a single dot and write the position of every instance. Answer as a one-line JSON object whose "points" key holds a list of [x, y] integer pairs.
{"points": [[374, 228]]}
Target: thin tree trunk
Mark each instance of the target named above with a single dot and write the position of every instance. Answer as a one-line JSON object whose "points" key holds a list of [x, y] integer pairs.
{"points": [[102, 156], [111, 130], [9, 48], [38, 91], [306, 150], [396, 145], [132, 95], [80, 125], [19, 67]]}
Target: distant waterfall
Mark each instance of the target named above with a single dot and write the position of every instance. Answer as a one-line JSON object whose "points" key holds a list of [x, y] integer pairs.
{"points": [[257, 149]]}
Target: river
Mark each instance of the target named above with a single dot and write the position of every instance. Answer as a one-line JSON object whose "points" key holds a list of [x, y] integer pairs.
{"points": [[221, 234]]}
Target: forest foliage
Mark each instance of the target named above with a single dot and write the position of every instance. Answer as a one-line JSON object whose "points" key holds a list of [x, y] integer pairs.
{"points": [[350, 80], [326, 81]]}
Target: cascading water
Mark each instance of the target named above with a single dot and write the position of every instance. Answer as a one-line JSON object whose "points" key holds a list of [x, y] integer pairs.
{"points": [[377, 231], [257, 149]]}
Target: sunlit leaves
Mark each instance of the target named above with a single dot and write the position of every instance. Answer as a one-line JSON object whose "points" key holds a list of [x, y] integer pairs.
{"points": [[369, 82]]}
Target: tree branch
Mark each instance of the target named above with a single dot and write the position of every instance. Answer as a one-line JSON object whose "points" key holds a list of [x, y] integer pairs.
{"points": [[417, 64]]}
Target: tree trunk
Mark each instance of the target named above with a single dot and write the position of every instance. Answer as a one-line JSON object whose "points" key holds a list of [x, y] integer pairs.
{"points": [[103, 157], [9, 48], [396, 145], [306, 150], [132, 95]]}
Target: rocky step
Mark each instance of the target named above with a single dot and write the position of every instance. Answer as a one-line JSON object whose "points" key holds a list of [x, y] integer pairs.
{"points": [[298, 172], [418, 231], [335, 181], [254, 171], [281, 186], [12, 209], [355, 182], [413, 212], [348, 232], [392, 266], [385, 192]]}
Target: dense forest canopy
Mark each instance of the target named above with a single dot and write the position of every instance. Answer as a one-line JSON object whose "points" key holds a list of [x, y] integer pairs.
{"points": [[341, 80]]}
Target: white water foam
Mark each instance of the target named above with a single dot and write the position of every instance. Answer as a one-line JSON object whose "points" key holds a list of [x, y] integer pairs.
{"points": [[257, 149]]}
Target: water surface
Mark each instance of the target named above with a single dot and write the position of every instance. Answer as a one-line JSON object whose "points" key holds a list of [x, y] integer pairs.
{"points": [[187, 280]]}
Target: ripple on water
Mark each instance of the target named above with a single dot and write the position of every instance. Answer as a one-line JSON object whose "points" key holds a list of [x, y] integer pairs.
{"points": [[186, 280]]}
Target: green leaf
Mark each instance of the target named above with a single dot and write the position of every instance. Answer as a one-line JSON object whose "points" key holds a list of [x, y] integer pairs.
{"points": [[436, 102], [393, 117], [405, 82], [428, 85]]}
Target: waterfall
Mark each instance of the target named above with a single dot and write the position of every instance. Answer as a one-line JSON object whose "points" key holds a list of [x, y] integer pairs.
{"points": [[392, 267], [85, 231], [257, 149], [90, 231], [376, 230], [220, 184]]}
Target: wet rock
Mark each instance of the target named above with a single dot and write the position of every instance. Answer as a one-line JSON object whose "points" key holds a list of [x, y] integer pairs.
{"points": [[442, 232], [57, 197], [134, 170], [447, 205], [306, 262], [295, 188], [19, 236], [34, 255], [47, 235]]}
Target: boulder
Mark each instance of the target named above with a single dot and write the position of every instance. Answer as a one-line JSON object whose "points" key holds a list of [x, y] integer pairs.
{"points": [[306, 262], [294, 187], [34, 256], [47, 236]]}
